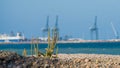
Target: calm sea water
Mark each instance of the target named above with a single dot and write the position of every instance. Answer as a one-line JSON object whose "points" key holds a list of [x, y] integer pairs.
{"points": [[112, 48]]}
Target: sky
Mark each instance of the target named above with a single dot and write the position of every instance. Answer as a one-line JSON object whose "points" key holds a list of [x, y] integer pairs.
{"points": [[75, 17]]}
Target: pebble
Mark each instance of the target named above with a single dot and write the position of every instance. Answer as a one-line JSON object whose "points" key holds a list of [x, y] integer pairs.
{"points": [[87, 60]]}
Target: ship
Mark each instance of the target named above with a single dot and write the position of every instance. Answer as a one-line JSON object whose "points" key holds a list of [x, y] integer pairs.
{"points": [[12, 38]]}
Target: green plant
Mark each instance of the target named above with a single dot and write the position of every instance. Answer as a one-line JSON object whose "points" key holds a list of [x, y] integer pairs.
{"points": [[49, 49], [24, 52], [34, 47], [51, 44], [57, 52]]}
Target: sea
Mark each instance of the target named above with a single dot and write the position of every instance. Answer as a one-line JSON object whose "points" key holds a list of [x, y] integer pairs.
{"points": [[111, 48]]}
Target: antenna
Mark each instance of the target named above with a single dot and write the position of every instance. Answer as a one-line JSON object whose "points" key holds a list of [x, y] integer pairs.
{"points": [[115, 31]]}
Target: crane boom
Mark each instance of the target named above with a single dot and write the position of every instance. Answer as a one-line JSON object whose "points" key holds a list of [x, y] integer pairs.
{"points": [[114, 30]]}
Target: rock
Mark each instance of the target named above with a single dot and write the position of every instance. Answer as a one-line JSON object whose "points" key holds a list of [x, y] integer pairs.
{"points": [[25, 65], [97, 61], [87, 60], [1, 66], [88, 66], [46, 66]]}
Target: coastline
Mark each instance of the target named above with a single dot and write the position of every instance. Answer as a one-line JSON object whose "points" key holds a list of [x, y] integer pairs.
{"points": [[62, 42], [9, 59]]}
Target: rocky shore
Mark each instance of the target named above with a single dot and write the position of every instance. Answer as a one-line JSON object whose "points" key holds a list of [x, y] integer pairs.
{"points": [[13, 60], [90, 61]]}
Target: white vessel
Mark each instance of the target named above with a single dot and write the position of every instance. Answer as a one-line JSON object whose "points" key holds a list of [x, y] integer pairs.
{"points": [[8, 38]]}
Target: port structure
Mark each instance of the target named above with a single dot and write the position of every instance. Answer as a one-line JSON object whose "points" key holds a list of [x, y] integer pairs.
{"points": [[94, 30], [115, 31], [55, 28], [45, 29]]}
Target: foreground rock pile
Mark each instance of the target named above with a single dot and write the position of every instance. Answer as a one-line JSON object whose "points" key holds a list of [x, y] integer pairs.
{"points": [[13, 60], [8, 58]]}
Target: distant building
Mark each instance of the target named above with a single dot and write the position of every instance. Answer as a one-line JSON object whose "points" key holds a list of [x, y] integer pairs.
{"points": [[45, 39]]}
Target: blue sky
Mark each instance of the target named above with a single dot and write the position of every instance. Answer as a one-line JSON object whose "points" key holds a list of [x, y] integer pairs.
{"points": [[75, 16]]}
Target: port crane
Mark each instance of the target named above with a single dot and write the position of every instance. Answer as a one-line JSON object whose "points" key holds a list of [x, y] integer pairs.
{"points": [[45, 29], [94, 30], [115, 31], [56, 29]]}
